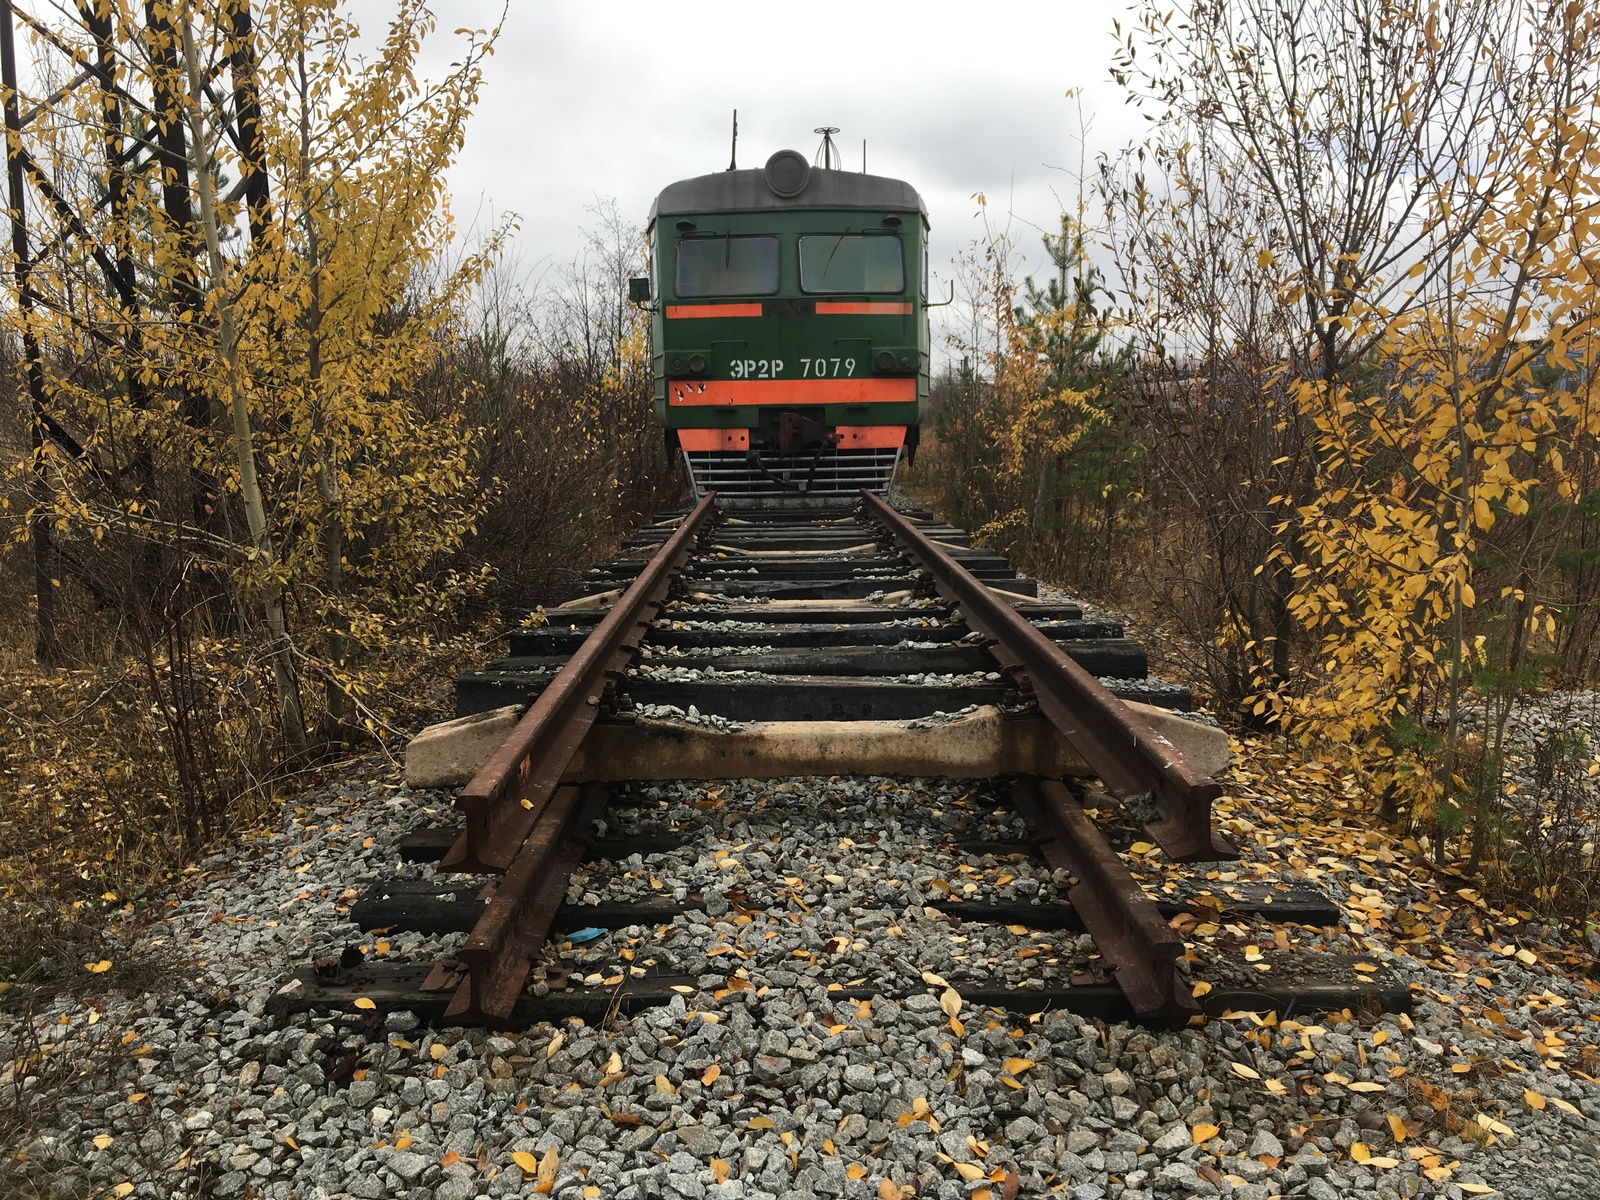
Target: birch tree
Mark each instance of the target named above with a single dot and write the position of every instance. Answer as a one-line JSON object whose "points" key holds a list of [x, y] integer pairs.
{"points": [[243, 270]]}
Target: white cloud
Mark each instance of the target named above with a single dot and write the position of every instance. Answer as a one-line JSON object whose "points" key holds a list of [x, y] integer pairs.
{"points": [[621, 98]]}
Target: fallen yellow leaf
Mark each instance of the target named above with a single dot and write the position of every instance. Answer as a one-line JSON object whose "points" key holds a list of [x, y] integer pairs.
{"points": [[102, 1140], [968, 1171], [98, 968], [1200, 989], [710, 1075], [528, 1162], [1245, 1072], [855, 1171], [548, 1166], [363, 1002], [1203, 1133], [437, 1051], [1533, 1099]]}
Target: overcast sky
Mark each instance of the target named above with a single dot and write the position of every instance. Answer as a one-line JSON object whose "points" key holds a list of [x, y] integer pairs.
{"points": [[618, 99]]}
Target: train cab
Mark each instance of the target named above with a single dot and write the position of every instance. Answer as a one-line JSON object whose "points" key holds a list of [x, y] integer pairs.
{"points": [[789, 327]]}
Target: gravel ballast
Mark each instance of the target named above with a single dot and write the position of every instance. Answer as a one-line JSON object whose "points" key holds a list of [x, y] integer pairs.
{"points": [[777, 1087]]}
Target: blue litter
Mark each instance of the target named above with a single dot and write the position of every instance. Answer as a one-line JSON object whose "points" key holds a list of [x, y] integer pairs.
{"points": [[584, 935]]}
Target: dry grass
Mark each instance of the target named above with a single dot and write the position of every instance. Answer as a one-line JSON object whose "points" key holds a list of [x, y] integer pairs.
{"points": [[93, 820]]}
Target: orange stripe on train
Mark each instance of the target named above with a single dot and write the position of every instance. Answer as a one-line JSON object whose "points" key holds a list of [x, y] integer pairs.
{"points": [[862, 308], [850, 437], [714, 439], [790, 391], [871, 437], [679, 311]]}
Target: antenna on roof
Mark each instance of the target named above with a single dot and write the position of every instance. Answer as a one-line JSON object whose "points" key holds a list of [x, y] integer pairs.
{"points": [[863, 156], [733, 155], [827, 149]]}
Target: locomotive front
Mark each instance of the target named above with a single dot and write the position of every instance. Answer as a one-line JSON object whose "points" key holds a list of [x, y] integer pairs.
{"points": [[789, 327]]}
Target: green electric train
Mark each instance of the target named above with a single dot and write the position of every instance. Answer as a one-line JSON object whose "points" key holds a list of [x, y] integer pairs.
{"points": [[789, 327]]}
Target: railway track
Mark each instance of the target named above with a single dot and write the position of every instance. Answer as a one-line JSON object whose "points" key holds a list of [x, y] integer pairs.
{"points": [[846, 642]]}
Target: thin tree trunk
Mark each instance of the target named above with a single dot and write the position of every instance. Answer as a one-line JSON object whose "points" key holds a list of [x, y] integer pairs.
{"points": [[327, 468], [123, 282], [294, 726], [1452, 737], [247, 110], [172, 153], [47, 643]]}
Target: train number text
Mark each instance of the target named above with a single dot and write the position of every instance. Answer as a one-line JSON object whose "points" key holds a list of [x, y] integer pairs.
{"points": [[827, 368], [756, 368]]}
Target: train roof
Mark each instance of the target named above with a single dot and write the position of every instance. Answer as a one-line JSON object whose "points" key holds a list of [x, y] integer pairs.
{"points": [[749, 191]]}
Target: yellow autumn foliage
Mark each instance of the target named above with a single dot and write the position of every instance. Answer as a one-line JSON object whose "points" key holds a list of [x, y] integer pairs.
{"points": [[1480, 408]]}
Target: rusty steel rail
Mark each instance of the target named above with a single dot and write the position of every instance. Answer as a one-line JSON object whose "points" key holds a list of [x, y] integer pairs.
{"points": [[504, 800], [493, 963], [1138, 766], [1128, 930]]}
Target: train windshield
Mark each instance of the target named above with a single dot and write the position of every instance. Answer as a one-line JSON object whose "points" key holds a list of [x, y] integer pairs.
{"points": [[728, 266], [852, 263]]}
